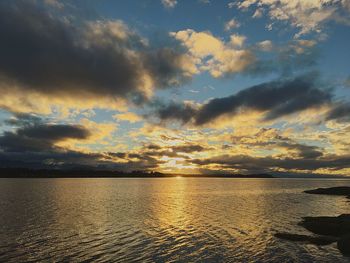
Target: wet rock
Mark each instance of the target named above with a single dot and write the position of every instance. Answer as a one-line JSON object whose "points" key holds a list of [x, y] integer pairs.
{"points": [[344, 245], [327, 225], [329, 228], [341, 190], [316, 240]]}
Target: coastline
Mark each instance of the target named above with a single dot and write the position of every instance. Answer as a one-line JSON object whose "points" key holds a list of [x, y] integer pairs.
{"points": [[54, 173]]}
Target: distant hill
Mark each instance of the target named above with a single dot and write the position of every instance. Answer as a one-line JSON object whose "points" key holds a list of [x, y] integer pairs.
{"points": [[90, 173]]}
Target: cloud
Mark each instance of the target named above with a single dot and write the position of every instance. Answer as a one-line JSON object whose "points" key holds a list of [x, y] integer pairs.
{"points": [[169, 3], [182, 112], [273, 99], [271, 139], [34, 134], [212, 54], [75, 160], [258, 13], [287, 59], [237, 40], [53, 159], [307, 16], [270, 163], [220, 58], [23, 119], [231, 24], [231, 4], [161, 155], [304, 151], [51, 56], [339, 112], [189, 148], [277, 98], [265, 45], [128, 116], [37, 143], [40, 137]]}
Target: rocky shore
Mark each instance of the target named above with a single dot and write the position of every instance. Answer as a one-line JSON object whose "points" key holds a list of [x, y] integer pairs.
{"points": [[326, 229], [340, 190]]}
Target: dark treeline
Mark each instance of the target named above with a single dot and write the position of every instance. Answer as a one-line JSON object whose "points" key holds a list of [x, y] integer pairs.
{"points": [[90, 173]]}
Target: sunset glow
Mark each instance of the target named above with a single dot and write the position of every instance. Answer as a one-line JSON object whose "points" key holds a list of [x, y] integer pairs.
{"points": [[174, 131], [193, 86]]}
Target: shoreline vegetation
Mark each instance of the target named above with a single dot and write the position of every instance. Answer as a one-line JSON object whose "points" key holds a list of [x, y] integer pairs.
{"points": [[326, 229], [89, 173]]}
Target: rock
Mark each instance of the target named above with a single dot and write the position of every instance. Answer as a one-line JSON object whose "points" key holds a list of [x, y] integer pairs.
{"points": [[327, 225], [341, 190], [344, 245], [329, 228], [316, 240]]}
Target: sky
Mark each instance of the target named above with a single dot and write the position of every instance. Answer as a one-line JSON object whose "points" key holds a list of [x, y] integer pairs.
{"points": [[176, 86]]}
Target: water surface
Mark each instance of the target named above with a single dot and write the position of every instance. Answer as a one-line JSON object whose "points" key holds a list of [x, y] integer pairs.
{"points": [[162, 220]]}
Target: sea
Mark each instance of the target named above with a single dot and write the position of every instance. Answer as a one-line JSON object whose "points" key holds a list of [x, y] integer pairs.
{"points": [[163, 219]]}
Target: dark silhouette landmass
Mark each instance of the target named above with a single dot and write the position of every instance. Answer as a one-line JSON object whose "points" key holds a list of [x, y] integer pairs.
{"points": [[328, 229], [335, 226], [340, 190], [89, 173]]}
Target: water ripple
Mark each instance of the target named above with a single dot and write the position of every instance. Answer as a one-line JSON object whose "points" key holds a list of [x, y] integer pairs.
{"points": [[160, 220]]}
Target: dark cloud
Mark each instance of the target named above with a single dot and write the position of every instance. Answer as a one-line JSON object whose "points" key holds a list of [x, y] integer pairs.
{"points": [[182, 148], [153, 147], [40, 137], [23, 119], [54, 132], [33, 145], [269, 163], [269, 138], [49, 159], [151, 153], [304, 151], [71, 160], [132, 161], [117, 154], [165, 66], [176, 111], [179, 151], [188, 148], [340, 112], [52, 54], [276, 99], [139, 158]]}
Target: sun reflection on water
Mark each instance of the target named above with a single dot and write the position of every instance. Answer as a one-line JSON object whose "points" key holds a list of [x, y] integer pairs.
{"points": [[162, 220]]}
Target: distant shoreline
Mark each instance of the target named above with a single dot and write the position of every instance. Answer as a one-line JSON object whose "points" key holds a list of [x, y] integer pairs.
{"points": [[89, 173], [48, 173]]}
